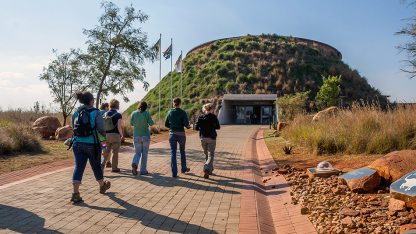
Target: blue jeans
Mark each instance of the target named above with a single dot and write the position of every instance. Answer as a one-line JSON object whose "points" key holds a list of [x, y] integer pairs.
{"points": [[174, 140], [82, 153], [141, 149]]}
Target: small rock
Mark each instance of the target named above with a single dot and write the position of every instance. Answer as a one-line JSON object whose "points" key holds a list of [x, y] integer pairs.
{"points": [[283, 171], [304, 210], [396, 205], [348, 212], [347, 222]]}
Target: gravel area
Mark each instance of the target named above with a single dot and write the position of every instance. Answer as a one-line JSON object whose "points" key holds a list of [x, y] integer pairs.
{"points": [[332, 208]]}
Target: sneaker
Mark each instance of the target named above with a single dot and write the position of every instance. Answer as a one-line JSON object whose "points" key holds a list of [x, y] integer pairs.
{"points": [[108, 165], [134, 169], [206, 174], [76, 198], [116, 170], [186, 170], [105, 187], [144, 173]]}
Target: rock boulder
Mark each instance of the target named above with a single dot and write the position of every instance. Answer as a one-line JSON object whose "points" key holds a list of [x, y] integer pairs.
{"points": [[330, 111], [63, 133], [405, 189], [395, 164], [46, 126], [361, 180]]}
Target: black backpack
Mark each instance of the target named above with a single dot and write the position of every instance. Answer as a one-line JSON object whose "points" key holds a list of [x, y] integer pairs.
{"points": [[82, 123]]}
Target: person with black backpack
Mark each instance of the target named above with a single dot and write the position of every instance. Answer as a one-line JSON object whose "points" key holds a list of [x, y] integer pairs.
{"points": [[87, 123], [207, 124]]}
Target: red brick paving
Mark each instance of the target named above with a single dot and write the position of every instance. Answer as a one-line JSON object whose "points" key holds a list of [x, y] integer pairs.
{"points": [[235, 200]]}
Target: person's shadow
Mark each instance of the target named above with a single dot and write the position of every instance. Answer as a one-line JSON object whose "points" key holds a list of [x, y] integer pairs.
{"points": [[21, 220], [148, 218]]}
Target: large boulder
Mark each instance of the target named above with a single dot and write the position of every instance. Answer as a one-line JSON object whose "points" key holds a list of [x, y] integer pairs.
{"points": [[394, 165], [404, 189], [330, 111], [64, 133], [361, 180], [46, 126]]}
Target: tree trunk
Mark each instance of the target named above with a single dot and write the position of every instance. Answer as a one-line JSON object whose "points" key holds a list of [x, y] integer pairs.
{"points": [[65, 117]]}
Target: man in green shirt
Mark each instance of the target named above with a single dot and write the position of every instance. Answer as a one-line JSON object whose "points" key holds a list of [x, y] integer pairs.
{"points": [[176, 121]]}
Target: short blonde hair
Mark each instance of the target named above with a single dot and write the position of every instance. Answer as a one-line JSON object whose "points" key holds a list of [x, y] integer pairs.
{"points": [[207, 107], [114, 104]]}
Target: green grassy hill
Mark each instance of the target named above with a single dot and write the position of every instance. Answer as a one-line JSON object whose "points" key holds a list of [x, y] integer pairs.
{"points": [[258, 65]]}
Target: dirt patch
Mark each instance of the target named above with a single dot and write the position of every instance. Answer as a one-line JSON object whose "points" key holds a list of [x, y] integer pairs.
{"points": [[302, 158]]}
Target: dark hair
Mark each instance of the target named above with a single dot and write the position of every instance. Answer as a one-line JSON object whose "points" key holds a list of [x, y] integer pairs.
{"points": [[103, 106], [177, 101], [142, 106], [84, 97]]}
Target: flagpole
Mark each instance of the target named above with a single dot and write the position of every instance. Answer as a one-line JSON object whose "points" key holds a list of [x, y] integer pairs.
{"points": [[160, 70], [181, 74], [171, 58]]}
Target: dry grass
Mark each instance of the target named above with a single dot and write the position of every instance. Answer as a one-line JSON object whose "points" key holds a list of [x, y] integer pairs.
{"points": [[53, 151], [302, 158], [19, 138], [360, 130]]}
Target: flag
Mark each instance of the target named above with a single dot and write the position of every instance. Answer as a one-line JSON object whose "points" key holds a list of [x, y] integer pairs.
{"points": [[168, 52], [156, 48], [178, 64]]}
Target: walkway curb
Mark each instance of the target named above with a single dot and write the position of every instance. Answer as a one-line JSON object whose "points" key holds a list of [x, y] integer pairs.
{"points": [[286, 216]]}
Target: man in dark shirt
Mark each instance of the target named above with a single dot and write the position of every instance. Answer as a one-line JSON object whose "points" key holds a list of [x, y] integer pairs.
{"points": [[176, 120], [207, 124], [113, 136]]}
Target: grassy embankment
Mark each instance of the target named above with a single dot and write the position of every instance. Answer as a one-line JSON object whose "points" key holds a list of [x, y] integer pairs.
{"points": [[353, 138]]}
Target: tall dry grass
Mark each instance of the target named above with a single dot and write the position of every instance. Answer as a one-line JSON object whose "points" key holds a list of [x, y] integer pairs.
{"points": [[18, 138], [361, 129], [16, 134]]}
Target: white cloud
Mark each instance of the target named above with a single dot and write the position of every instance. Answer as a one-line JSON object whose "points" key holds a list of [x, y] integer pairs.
{"points": [[10, 75]]}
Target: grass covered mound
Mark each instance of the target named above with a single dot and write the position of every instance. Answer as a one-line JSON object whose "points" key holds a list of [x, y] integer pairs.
{"points": [[257, 65], [361, 129]]}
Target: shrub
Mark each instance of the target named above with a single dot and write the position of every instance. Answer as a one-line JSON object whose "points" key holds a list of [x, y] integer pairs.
{"points": [[329, 92], [18, 139], [291, 105]]}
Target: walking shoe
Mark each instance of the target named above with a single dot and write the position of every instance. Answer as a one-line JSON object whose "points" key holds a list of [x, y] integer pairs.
{"points": [[116, 170], [134, 169], [144, 173], [186, 170], [76, 198], [108, 164], [206, 174], [105, 187]]}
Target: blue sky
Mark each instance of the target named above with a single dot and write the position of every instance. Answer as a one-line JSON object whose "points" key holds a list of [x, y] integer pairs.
{"points": [[362, 30]]}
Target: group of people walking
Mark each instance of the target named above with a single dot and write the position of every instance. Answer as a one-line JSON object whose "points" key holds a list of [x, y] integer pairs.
{"points": [[98, 135]]}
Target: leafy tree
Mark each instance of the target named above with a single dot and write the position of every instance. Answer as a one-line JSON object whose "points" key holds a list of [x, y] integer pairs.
{"points": [[116, 52], [65, 75], [328, 94], [410, 47], [292, 104]]}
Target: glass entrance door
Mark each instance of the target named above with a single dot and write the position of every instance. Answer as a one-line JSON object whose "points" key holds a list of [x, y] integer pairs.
{"points": [[244, 114], [266, 114]]}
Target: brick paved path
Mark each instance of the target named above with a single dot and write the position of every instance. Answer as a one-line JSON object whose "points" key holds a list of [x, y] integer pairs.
{"points": [[156, 203]]}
